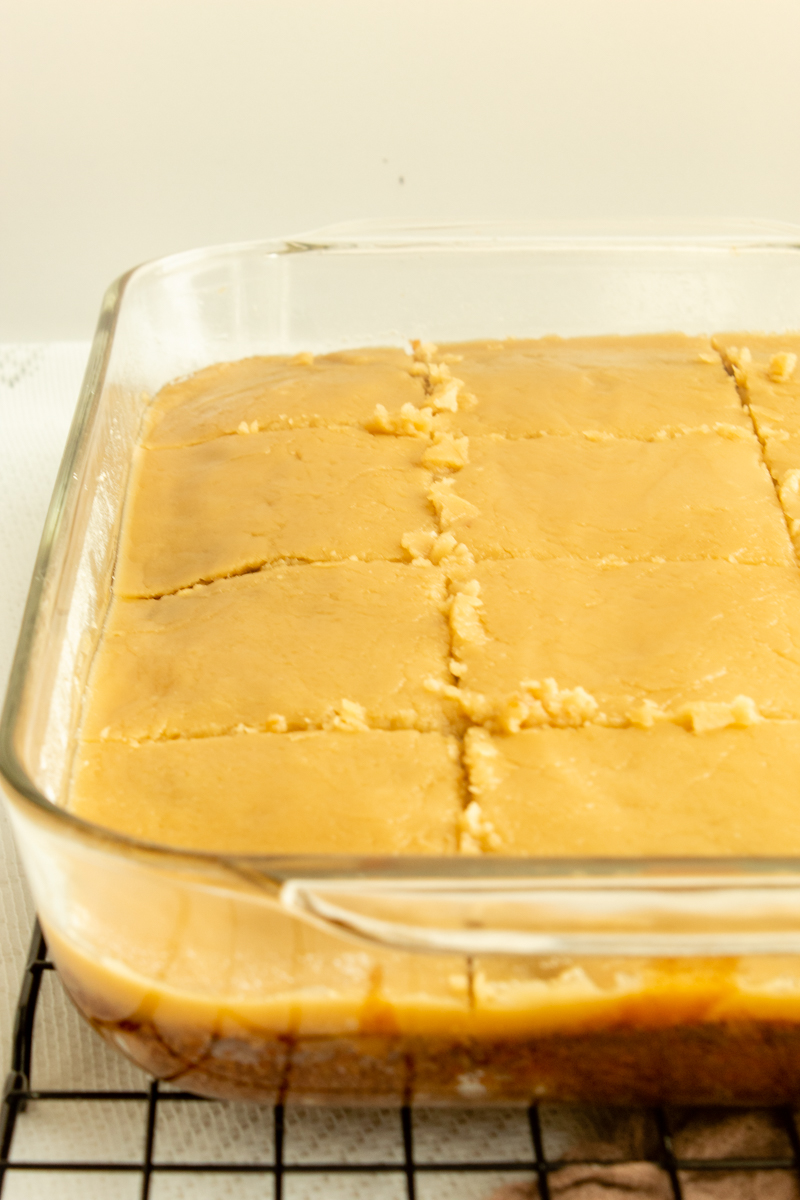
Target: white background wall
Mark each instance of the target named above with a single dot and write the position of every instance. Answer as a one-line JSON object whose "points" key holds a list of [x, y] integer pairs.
{"points": [[135, 128]]}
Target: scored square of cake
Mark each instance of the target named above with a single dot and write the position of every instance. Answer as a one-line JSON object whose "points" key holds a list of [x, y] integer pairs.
{"points": [[221, 507], [635, 387], [692, 497], [289, 647], [667, 633], [282, 393], [356, 793]]}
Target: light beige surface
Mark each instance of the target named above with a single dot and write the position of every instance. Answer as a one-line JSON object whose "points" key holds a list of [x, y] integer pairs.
{"points": [[669, 633], [362, 793], [225, 506], [663, 791], [634, 387], [288, 645], [692, 497], [281, 393]]}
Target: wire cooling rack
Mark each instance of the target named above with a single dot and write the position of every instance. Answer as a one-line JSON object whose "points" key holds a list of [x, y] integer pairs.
{"points": [[95, 1125]]}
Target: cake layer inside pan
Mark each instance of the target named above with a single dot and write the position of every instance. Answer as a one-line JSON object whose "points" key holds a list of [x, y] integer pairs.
{"points": [[527, 598]]}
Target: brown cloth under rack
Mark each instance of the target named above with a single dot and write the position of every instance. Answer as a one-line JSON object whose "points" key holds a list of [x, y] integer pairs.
{"points": [[719, 1136]]}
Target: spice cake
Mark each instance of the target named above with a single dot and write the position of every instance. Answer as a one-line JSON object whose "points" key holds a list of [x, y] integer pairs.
{"points": [[523, 597]]}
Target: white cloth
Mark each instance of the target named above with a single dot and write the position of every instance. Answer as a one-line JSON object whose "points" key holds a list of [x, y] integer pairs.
{"points": [[39, 386]]}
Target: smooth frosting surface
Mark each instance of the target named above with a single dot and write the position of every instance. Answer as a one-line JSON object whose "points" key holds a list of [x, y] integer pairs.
{"points": [[666, 633], [340, 645], [630, 386], [232, 504], [692, 497], [609, 792], [384, 793], [281, 393], [486, 538]]}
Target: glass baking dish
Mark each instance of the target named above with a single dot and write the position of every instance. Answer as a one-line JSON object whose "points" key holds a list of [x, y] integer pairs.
{"points": [[346, 980]]}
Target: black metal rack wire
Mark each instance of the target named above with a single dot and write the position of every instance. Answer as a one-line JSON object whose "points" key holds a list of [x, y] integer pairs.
{"points": [[536, 1166]]}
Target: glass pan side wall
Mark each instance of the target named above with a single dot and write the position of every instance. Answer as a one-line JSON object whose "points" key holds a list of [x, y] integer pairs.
{"points": [[179, 314]]}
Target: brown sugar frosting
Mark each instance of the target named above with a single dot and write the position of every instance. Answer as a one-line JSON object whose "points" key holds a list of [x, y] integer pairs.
{"points": [[485, 538]]}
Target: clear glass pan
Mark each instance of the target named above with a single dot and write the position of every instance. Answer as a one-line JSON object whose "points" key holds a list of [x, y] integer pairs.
{"points": [[346, 979]]}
